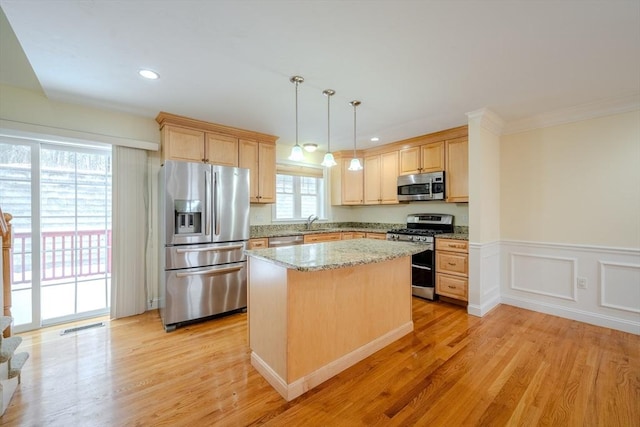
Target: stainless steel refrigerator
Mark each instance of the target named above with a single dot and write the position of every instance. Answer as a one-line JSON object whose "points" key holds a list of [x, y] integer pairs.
{"points": [[204, 229]]}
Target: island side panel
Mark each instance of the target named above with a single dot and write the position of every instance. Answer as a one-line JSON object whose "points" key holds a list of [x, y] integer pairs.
{"points": [[335, 312], [267, 314]]}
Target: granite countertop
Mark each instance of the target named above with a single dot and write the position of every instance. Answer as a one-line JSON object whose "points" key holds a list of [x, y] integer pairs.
{"points": [[332, 255], [279, 230], [454, 236]]}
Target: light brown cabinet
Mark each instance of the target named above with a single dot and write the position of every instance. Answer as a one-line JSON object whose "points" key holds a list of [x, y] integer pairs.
{"points": [[380, 179], [193, 140], [346, 235], [191, 145], [260, 159], [457, 170], [322, 237], [258, 243], [182, 144], [378, 236], [221, 149], [422, 159], [347, 187], [452, 268]]}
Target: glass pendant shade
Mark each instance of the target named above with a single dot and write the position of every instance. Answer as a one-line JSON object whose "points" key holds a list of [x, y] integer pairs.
{"points": [[355, 165], [296, 153], [328, 160]]}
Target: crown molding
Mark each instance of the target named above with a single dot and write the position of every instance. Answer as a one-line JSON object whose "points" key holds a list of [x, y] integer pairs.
{"points": [[605, 107], [487, 119]]}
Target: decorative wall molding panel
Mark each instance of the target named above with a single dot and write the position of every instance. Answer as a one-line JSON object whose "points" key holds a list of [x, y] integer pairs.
{"points": [[597, 285], [544, 275], [620, 286]]}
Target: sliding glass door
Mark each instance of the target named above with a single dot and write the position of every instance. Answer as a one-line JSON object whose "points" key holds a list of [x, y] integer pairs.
{"points": [[60, 197]]}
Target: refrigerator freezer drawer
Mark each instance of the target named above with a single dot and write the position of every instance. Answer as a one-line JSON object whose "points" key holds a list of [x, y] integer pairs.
{"points": [[188, 256], [195, 293]]}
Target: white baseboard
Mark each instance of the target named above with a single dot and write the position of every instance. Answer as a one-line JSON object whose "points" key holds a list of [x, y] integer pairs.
{"points": [[574, 314], [487, 306]]}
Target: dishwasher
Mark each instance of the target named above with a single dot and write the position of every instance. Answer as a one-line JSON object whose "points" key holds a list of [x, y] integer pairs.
{"points": [[278, 242]]}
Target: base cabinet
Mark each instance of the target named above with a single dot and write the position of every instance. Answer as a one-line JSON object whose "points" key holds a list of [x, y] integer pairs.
{"points": [[452, 268], [322, 237], [258, 243]]}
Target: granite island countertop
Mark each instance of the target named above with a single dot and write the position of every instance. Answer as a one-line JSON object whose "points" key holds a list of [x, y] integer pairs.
{"points": [[332, 255]]}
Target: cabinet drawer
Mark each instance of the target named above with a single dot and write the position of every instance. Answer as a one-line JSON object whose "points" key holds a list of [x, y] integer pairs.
{"points": [[451, 286], [452, 263], [346, 235], [452, 245], [323, 237], [258, 243], [377, 236]]}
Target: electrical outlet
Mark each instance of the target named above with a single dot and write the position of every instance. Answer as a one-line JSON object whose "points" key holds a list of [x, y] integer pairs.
{"points": [[582, 283]]}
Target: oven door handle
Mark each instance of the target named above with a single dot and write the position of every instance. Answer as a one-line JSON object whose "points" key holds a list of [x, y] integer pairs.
{"points": [[420, 267]]}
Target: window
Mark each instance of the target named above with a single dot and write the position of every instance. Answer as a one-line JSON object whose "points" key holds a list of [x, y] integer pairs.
{"points": [[299, 192]]}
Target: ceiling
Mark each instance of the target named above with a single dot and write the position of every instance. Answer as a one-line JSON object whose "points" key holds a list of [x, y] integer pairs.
{"points": [[416, 66]]}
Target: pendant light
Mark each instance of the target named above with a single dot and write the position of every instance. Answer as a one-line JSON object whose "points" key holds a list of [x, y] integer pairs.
{"points": [[296, 151], [328, 160], [355, 162]]}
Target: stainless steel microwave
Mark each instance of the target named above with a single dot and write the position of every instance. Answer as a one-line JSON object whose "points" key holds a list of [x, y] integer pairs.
{"points": [[421, 187]]}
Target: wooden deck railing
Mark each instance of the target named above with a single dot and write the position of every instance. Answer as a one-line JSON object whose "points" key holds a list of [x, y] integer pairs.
{"points": [[58, 255]]}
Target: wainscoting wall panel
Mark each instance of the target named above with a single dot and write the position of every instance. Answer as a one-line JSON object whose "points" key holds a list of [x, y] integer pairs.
{"points": [[597, 285], [544, 275], [620, 286]]}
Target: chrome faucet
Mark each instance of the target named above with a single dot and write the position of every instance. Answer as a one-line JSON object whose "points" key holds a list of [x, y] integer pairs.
{"points": [[310, 221]]}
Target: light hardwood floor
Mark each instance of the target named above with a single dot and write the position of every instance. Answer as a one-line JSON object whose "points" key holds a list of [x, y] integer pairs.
{"points": [[512, 367]]}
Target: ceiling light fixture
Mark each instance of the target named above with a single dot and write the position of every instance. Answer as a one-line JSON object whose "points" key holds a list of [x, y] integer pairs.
{"points": [[328, 160], [149, 74], [310, 147], [355, 162], [375, 139], [296, 151]]}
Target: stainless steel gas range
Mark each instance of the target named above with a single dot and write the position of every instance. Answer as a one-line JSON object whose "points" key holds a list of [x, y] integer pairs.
{"points": [[421, 229]]}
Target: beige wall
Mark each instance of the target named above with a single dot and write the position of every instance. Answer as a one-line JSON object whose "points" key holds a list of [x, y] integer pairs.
{"points": [[576, 183], [24, 109], [484, 177]]}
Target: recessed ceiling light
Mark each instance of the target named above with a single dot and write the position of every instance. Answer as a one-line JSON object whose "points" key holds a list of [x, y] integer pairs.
{"points": [[148, 74], [375, 139], [310, 147]]}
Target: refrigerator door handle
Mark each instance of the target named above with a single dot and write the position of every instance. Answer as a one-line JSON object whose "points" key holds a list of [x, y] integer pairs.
{"points": [[209, 272], [216, 200], [207, 207], [223, 248]]}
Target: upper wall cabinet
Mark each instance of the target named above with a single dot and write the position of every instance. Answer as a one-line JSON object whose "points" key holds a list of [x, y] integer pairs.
{"points": [[260, 159], [347, 187], [422, 159], [457, 170], [192, 145], [380, 179], [192, 140]]}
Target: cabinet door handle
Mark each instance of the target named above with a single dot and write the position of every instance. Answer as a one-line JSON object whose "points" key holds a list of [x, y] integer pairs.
{"points": [[451, 287], [452, 263]]}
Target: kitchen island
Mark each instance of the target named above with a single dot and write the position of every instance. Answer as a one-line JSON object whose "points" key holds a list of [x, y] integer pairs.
{"points": [[317, 309]]}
